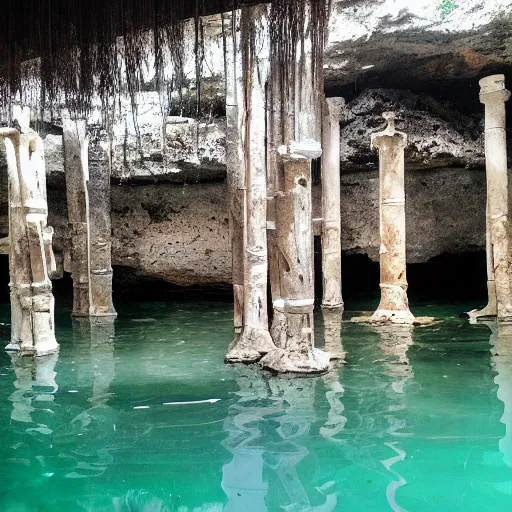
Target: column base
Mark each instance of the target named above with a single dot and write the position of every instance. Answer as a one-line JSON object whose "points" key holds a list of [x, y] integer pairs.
{"points": [[483, 315], [250, 346], [42, 349], [94, 315], [389, 316], [490, 312], [313, 362], [110, 314]]}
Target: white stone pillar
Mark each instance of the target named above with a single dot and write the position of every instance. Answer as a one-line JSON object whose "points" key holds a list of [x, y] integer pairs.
{"points": [[255, 340], [31, 260], [76, 166], [394, 305], [292, 328], [88, 198], [331, 208], [235, 165], [499, 284]]}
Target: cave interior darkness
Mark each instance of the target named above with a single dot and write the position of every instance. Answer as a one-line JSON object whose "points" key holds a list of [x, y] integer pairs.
{"points": [[445, 278]]}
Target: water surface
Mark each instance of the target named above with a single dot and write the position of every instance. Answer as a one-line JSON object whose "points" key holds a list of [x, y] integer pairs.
{"points": [[414, 420]]}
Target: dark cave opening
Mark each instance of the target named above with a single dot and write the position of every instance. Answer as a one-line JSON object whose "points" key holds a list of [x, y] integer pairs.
{"points": [[448, 277]]}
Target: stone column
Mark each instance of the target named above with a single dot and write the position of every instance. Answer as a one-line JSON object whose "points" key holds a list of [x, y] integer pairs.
{"points": [[100, 226], [31, 258], [76, 164], [235, 167], [88, 195], [255, 340], [394, 305], [494, 95], [331, 208], [292, 329]]}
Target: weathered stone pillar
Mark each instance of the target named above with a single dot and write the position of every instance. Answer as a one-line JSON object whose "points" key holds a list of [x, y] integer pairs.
{"points": [[292, 329], [76, 164], [498, 236], [88, 197], [394, 305], [255, 340], [100, 226], [31, 258], [235, 166], [331, 208]]}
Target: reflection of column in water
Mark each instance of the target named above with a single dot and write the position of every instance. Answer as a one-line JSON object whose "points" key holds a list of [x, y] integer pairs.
{"points": [[100, 331], [35, 382], [297, 398], [394, 342], [333, 345], [242, 478], [97, 422], [501, 342]]}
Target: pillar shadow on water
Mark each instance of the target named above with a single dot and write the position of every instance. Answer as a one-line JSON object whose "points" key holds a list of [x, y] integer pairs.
{"points": [[266, 431]]}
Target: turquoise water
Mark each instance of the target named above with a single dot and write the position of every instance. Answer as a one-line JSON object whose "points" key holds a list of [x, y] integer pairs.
{"points": [[416, 420]]}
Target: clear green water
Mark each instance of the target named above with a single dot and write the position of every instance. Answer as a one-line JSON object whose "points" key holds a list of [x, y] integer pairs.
{"points": [[417, 422]]}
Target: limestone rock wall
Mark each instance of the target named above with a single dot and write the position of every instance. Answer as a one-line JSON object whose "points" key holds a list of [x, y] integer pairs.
{"points": [[176, 233]]}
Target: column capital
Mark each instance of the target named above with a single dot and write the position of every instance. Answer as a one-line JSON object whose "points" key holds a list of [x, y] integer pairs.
{"points": [[303, 150], [334, 108], [492, 89], [389, 131]]}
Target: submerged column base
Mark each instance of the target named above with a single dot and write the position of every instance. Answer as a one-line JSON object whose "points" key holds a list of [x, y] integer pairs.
{"points": [[393, 307], [249, 346], [490, 311], [292, 331], [42, 349]]}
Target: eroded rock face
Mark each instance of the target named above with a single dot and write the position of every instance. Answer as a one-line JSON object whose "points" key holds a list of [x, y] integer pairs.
{"points": [[424, 45], [179, 234], [438, 136]]}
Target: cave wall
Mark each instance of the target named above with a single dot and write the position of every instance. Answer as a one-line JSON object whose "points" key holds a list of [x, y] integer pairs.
{"points": [[180, 233], [169, 197]]}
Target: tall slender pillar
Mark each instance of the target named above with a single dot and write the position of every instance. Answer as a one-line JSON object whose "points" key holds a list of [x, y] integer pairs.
{"points": [[76, 149], [88, 197], [31, 260], [235, 165], [292, 327], [331, 208], [394, 305], [255, 340], [100, 226], [498, 236]]}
